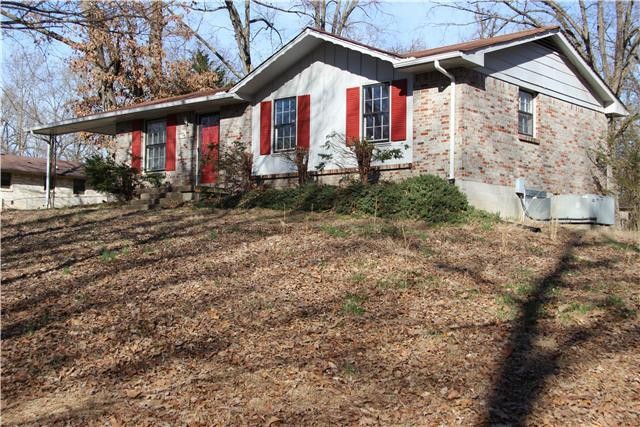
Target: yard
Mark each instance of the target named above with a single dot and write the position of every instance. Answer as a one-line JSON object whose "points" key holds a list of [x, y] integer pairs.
{"points": [[196, 316]]}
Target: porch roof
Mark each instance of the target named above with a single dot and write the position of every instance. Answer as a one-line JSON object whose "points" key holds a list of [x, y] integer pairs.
{"points": [[105, 123]]}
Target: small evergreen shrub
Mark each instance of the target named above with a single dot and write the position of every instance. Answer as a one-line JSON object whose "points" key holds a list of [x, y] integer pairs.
{"points": [[432, 199]]}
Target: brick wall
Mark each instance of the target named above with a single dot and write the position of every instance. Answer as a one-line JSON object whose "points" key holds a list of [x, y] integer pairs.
{"points": [[431, 104], [235, 125], [488, 148], [493, 153]]}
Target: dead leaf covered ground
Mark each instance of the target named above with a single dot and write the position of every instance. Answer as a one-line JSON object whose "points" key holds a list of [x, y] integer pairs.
{"points": [[194, 316]]}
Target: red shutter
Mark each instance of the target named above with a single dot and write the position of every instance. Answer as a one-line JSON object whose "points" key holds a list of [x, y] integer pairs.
{"points": [[136, 145], [352, 130], [265, 127], [304, 121], [399, 110], [170, 159]]}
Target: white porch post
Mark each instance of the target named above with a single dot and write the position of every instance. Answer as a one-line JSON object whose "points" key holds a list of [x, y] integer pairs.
{"points": [[48, 179], [51, 169]]}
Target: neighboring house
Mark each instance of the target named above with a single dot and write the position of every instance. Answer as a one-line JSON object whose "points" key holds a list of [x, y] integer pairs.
{"points": [[24, 183], [481, 113]]}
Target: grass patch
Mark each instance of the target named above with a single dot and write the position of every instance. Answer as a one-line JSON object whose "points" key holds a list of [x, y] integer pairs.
{"points": [[349, 369], [353, 304], [428, 251], [406, 280], [627, 247], [213, 234], [373, 231], [536, 250], [524, 274], [578, 308], [485, 220], [507, 306], [616, 304], [334, 231], [358, 278], [108, 256], [524, 289], [66, 271]]}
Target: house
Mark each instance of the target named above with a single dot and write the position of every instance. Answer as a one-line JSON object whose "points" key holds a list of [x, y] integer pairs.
{"points": [[481, 113], [24, 183]]}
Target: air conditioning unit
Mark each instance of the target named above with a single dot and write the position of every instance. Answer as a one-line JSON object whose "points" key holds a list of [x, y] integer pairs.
{"points": [[586, 208]]}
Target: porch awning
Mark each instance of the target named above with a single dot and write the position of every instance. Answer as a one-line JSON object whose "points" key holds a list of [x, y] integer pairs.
{"points": [[105, 123]]}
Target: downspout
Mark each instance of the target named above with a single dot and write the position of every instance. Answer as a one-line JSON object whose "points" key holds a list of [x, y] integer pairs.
{"points": [[452, 120]]}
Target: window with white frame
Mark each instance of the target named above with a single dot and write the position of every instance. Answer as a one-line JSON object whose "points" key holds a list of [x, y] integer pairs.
{"points": [[155, 145], [525, 113], [376, 112], [285, 124]]}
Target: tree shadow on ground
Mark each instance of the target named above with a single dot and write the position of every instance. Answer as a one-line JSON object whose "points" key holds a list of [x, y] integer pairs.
{"points": [[526, 368]]}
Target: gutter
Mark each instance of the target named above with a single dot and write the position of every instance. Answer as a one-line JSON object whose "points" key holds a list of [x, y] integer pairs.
{"points": [[46, 129], [452, 120]]}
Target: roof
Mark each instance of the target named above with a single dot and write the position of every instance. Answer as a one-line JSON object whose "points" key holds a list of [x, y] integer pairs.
{"points": [[184, 97], [105, 123], [474, 45], [348, 40], [38, 166], [467, 54]]}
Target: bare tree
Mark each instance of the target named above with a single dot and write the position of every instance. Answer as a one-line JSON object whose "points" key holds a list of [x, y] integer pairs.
{"points": [[35, 92], [334, 16]]}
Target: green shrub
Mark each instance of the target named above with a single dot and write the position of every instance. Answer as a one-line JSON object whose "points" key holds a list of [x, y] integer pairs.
{"points": [[154, 179], [426, 197], [432, 199], [309, 197], [106, 175]]}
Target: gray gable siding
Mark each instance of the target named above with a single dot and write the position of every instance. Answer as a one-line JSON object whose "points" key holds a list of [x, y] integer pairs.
{"points": [[541, 69]]}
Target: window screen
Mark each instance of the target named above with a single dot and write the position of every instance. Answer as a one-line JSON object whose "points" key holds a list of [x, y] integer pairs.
{"points": [[525, 113], [285, 124], [376, 112], [155, 143]]}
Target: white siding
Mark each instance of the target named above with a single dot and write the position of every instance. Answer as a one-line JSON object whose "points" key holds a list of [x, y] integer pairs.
{"points": [[325, 74], [541, 69], [27, 192]]}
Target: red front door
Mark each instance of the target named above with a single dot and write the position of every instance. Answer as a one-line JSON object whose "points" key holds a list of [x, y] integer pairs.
{"points": [[209, 144]]}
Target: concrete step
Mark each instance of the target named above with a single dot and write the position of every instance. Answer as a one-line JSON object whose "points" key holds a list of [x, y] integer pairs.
{"points": [[175, 196], [131, 207]]}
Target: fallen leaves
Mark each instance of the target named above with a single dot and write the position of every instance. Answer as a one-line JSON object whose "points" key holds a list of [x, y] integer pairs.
{"points": [[250, 327]]}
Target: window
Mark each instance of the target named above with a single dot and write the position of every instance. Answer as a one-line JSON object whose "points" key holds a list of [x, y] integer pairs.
{"points": [[376, 112], [525, 113], [78, 186], [285, 124], [52, 182], [6, 180], [155, 145]]}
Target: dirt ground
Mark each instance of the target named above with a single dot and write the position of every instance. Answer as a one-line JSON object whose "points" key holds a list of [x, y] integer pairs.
{"points": [[201, 317]]}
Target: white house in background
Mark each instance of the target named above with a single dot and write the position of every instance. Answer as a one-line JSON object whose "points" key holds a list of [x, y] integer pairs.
{"points": [[24, 184], [481, 113]]}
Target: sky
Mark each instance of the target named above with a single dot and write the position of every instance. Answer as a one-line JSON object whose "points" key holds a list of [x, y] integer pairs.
{"points": [[401, 21]]}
